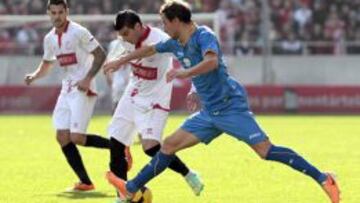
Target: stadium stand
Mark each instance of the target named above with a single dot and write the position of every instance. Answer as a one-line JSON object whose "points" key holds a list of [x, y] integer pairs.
{"points": [[297, 26]]}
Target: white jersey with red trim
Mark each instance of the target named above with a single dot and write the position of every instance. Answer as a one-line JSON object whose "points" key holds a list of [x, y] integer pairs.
{"points": [[147, 85], [72, 49]]}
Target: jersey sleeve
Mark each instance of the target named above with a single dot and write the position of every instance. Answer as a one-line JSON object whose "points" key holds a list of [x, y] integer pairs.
{"points": [[164, 46], [208, 43], [49, 54], [87, 40]]}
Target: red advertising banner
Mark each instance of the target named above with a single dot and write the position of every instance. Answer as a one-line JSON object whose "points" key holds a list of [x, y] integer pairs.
{"points": [[305, 99], [21, 99], [263, 99], [323, 99]]}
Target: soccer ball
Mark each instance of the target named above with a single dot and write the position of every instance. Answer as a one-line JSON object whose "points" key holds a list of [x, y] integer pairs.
{"points": [[144, 195]]}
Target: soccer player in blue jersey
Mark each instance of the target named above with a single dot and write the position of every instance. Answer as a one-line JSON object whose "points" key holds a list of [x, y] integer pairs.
{"points": [[224, 103]]}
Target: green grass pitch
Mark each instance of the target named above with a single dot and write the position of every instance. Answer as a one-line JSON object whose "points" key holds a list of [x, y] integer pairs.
{"points": [[32, 168]]}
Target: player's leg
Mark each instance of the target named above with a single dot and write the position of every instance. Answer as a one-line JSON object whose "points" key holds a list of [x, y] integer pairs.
{"points": [[177, 141], [61, 121], [152, 125], [82, 107], [195, 129], [287, 156], [90, 140], [243, 126], [151, 147], [121, 133], [73, 157]]}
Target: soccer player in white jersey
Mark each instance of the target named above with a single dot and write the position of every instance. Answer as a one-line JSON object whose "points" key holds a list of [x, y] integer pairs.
{"points": [[145, 105], [80, 56], [117, 80]]}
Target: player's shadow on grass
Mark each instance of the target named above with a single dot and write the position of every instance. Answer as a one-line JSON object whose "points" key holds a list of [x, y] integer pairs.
{"points": [[83, 195]]}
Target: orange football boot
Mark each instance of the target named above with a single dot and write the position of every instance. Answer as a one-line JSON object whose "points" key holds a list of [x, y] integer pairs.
{"points": [[119, 184], [81, 187], [331, 188]]}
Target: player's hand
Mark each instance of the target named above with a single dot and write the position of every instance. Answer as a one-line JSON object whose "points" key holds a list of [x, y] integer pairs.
{"points": [[84, 84], [29, 78], [176, 73], [193, 102], [113, 65]]}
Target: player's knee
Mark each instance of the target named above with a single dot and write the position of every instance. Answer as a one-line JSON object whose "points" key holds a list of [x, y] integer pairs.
{"points": [[63, 138], [262, 149], [262, 155], [169, 146], [78, 139]]}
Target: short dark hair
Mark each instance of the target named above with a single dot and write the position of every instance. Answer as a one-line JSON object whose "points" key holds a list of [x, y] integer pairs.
{"points": [[126, 18], [57, 2], [176, 9]]}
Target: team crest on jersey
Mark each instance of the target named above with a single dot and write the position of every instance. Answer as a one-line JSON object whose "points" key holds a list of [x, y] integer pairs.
{"points": [[68, 46], [180, 54], [186, 62]]}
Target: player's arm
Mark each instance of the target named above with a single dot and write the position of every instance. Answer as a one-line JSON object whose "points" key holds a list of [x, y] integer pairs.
{"points": [[210, 50], [209, 63], [99, 58], [41, 71], [143, 52]]}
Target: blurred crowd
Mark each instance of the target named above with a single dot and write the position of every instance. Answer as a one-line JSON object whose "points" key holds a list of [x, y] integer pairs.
{"points": [[295, 26]]}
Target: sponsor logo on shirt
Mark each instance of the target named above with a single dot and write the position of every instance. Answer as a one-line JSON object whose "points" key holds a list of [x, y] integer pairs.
{"points": [[144, 72], [67, 59], [187, 62]]}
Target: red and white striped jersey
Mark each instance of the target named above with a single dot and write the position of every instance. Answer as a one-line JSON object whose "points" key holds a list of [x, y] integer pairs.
{"points": [[72, 49]]}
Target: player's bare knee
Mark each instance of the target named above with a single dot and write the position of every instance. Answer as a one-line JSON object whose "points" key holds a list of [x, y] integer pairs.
{"points": [[77, 138], [63, 137], [262, 148], [169, 146], [261, 154]]}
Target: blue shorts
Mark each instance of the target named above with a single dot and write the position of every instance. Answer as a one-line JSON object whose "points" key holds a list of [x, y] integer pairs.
{"points": [[234, 121]]}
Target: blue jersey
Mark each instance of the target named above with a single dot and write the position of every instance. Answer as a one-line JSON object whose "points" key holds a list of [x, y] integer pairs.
{"points": [[216, 88]]}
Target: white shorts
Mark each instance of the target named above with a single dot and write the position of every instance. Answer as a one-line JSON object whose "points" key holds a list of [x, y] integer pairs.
{"points": [[73, 111], [130, 119]]}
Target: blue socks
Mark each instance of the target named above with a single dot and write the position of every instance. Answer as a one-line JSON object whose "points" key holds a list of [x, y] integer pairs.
{"points": [[157, 165], [295, 161], [280, 154]]}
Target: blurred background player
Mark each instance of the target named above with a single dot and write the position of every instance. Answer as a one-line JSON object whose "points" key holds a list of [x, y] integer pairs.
{"points": [[80, 56], [144, 107], [119, 79], [224, 103]]}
